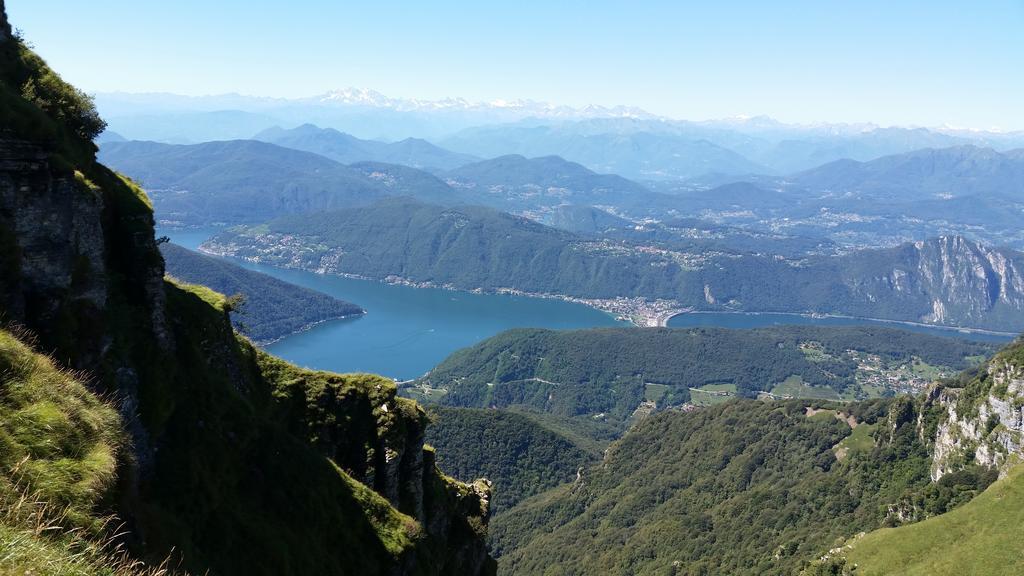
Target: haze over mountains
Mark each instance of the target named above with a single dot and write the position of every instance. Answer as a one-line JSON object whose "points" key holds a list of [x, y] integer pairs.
{"points": [[347, 149], [964, 190], [623, 140], [143, 428], [927, 174]]}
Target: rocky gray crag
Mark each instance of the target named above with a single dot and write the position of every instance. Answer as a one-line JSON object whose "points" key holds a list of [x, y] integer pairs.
{"points": [[982, 422], [948, 280], [55, 272]]}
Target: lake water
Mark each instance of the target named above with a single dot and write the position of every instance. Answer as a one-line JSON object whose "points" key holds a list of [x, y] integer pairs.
{"points": [[406, 331], [750, 320]]}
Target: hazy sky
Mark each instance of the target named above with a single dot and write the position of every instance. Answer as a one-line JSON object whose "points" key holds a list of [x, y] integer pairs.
{"points": [[892, 62]]}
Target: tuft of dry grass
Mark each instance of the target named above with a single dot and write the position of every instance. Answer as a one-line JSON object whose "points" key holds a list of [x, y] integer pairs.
{"points": [[59, 446], [37, 538]]}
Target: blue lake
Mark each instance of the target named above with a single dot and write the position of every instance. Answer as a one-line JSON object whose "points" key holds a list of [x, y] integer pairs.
{"points": [[406, 331]]}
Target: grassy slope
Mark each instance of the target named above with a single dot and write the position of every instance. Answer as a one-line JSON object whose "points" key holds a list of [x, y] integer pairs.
{"points": [[209, 502], [57, 440], [981, 537], [58, 444]]}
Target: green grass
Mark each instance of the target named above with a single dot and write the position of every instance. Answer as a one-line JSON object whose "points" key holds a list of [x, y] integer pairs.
{"points": [[57, 440], [424, 394], [813, 352], [711, 394], [24, 551], [860, 440], [211, 297], [730, 388], [926, 370], [982, 537], [654, 392], [794, 387], [58, 452]]}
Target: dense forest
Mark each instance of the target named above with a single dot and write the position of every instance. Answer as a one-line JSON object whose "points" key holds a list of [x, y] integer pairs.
{"points": [[746, 487], [268, 308], [610, 370], [519, 455]]}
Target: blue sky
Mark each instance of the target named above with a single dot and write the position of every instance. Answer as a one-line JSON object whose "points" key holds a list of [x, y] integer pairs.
{"points": [[892, 62]]}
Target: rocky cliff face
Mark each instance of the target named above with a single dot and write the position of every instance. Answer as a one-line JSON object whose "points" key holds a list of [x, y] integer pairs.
{"points": [[982, 422], [243, 463], [966, 276], [949, 280]]}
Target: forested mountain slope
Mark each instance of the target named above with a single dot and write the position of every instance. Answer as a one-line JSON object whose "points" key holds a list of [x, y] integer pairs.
{"points": [[238, 180], [233, 459], [611, 371], [769, 487], [949, 281], [747, 487], [517, 453], [922, 174], [269, 308]]}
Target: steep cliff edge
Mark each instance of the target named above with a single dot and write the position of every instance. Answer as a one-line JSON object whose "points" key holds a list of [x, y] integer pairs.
{"points": [[948, 280], [981, 416], [239, 462]]}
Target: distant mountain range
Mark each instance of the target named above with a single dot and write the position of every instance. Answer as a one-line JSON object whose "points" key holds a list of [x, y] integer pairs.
{"points": [[348, 149], [121, 103], [364, 113], [964, 190], [623, 140], [238, 181], [930, 173], [519, 184], [655, 149], [961, 190], [250, 181], [634, 153], [949, 281]]}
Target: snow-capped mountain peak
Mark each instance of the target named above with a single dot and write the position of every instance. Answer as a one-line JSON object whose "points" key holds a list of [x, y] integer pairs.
{"points": [[361, 97]]}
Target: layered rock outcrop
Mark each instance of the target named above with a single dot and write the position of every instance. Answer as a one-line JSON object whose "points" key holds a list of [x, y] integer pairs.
{"points": [[983, 422]]}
